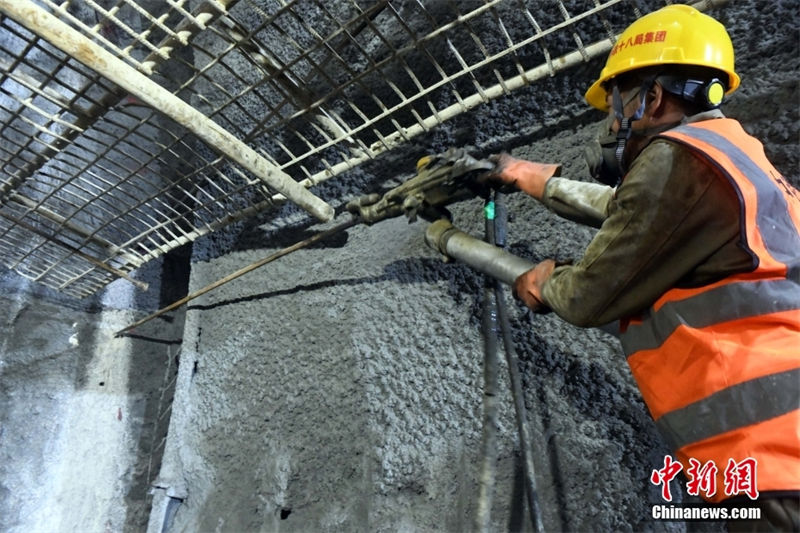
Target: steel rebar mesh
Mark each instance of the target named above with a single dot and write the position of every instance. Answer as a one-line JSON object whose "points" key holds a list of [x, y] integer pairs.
{"points": [[314, 87]]}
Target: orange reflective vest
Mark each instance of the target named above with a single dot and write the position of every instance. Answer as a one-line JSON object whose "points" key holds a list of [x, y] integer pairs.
{"points": [[719, 365]]}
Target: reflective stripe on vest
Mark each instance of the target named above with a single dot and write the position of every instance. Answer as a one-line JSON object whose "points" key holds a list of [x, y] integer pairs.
{"points": [[781, 238], [727, 302], [688, 351], [730, 408]]}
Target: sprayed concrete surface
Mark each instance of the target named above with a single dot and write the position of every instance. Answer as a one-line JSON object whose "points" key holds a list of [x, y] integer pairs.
{"points": [[340, 388]]}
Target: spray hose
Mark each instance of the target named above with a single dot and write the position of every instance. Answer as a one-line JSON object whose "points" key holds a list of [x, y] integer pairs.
{"points": [[498, 265]]}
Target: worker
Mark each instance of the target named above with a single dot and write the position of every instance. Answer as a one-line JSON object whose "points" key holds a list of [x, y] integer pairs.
{"points": [[697, 257]]}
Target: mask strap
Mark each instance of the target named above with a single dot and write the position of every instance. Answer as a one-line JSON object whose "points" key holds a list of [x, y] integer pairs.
{"points": [[619, 106], [623, 134], [625, 123]]}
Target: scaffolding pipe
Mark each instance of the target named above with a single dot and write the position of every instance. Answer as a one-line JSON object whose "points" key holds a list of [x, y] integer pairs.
{"points": [[76, 45]]}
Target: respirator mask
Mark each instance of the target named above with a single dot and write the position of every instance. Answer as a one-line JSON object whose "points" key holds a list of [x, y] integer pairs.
{"points": [[605, 154], [601, 155]]}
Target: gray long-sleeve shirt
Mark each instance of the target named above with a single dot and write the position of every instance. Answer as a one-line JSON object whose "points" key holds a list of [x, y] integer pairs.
{"points": [[673, 222]]}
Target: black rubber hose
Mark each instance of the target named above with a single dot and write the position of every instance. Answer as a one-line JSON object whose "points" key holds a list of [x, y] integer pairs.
{"points": [[500, 223], [486, 479], [519, 406]]}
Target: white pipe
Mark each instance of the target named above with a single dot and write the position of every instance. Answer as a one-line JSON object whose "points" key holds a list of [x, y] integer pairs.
{"points": [[75, 44]]}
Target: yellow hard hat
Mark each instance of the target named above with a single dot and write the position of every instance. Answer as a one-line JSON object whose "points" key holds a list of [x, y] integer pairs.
{"points": [[674, 35]]}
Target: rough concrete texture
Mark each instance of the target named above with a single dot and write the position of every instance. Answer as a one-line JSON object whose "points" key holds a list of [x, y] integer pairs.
{"points": [[339, 388], [79, 408], [83, 414]]}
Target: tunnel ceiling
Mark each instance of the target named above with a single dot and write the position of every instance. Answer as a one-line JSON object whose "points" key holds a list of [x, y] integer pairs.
{"points": [[132, 127]]}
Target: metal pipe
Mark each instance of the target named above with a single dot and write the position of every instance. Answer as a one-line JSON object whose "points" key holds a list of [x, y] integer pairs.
{"points": [[484, 257], [78, 46], [453, 243]]}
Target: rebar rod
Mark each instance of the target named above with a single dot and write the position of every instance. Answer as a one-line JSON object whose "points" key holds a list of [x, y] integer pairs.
{"points": [[62, 221], [107, 64], [467, 103], [109, 172], [538, 72], [87, 117], [93, 260], [242, 271]]}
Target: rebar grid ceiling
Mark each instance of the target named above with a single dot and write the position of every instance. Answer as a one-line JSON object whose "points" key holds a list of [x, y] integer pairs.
{"points": [[132, 127]]}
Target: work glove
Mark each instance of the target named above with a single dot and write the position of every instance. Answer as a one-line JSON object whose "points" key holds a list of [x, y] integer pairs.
{"points": [[528, 286], [527, 176]]}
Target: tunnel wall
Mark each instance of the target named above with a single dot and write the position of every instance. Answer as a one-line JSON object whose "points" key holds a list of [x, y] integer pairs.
{"points": [[82, 412], [340, 388]]}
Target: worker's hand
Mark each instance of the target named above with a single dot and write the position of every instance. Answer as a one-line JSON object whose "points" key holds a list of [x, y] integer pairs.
{"points": [[528, 286], [527, 176]]}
